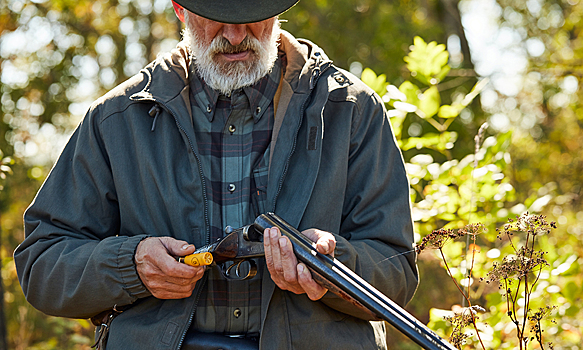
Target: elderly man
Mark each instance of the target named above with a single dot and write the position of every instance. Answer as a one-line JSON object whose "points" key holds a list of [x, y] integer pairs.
{"points": [[240, 119]]}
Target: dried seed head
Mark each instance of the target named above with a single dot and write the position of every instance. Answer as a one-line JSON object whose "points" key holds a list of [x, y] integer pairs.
{"points": [[437, 239]]}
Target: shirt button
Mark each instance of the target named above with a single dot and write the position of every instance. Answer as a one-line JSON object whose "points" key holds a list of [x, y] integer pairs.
{"points": [[258, 110], [231, 188], [208, 108], [232, 128], [237, 313]]}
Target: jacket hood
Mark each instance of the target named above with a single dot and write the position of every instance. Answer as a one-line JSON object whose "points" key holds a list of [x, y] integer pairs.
{"points": [[171, 72]]}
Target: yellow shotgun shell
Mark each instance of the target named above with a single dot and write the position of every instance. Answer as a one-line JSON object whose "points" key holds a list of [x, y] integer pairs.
{"points": [[199, 259]]}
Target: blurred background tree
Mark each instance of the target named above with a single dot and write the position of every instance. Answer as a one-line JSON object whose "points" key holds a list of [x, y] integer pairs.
{"points": [[59, 56]]}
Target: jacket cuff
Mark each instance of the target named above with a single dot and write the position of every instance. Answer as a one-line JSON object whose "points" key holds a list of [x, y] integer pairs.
{"points": [[132, 283]]}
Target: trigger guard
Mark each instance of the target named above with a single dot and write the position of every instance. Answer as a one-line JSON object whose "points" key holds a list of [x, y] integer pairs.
{"points": [[252, 269], [227, 273]]}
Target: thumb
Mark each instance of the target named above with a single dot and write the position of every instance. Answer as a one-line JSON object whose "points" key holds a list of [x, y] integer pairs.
{"points": [[177, 247]]}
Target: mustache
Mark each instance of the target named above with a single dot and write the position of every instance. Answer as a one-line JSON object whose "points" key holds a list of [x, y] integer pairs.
{"points": [[221, 45]]}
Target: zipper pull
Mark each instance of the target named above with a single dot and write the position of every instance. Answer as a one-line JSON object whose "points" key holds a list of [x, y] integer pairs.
{"points": [[154, 112], [314, 77], [316, 71]]}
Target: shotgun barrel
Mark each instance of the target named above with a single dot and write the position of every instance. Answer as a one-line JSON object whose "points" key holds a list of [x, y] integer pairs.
{"points": [[344, 282]]}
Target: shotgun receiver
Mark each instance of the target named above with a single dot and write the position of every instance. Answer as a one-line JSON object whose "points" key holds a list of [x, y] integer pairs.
{"points": [[246, 243]]}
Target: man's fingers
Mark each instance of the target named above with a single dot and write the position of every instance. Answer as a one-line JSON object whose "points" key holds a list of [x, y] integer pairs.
{"points": [[158, 269], [326, 246], [283, 264], [313, 290], [161, 253], [272, 245], [163, 293], [176, 247], [273, 257], [325, 241], [267, 249], [167, 287], [288, 260], [172, 268], [184, 281]]}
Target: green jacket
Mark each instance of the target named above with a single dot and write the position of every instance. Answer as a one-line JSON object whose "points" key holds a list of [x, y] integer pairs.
{"points": [[335, 166]]}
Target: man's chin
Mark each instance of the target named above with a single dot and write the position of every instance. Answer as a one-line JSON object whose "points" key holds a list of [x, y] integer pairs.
{"points": [[230, 76]]}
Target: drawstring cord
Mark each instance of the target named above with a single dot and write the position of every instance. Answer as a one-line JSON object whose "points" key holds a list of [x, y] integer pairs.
{"points": [[154, 112]]}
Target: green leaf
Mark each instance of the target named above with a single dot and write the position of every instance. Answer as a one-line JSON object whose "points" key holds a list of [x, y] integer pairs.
{"points": [[377, 83], [428, 62], [429, 140], [411, 91], [442, 74], [447, 111], [368, 77], [429, 102], [439, 142]]}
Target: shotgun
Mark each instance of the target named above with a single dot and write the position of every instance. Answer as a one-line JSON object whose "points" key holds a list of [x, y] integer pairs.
{"points": [[241, 245]]}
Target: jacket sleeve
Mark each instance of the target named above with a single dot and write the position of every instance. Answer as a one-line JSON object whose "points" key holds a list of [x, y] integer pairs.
{"points": [[72, 262], [376, 234]]}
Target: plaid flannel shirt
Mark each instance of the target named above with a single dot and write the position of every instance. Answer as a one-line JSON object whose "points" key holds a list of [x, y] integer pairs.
{"points": [[233, 134]]}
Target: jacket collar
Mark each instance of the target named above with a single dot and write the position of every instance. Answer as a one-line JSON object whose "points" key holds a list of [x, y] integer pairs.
{"points": [[166, 76], [305, 62]]}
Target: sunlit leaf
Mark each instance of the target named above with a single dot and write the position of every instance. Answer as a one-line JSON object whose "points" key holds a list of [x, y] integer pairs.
{"points": [[438, 142], [429, 102], [411, 91], [377, 83], [427, 62], [447, 111]]}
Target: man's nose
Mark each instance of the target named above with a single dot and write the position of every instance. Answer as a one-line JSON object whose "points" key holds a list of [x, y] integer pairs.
{"points": [[235, 33]]}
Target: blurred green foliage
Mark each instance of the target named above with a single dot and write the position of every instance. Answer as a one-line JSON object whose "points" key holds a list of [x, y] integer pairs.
{"points": [[58, 56], [453, 191], [449, 192]]}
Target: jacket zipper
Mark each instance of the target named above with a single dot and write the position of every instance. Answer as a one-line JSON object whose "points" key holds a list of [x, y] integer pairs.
{"points": [[196, 299], [316, 74], [206, 219]]}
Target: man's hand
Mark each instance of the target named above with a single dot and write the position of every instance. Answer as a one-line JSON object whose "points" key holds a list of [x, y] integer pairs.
{"points": [[283, 265], [165, 277]]}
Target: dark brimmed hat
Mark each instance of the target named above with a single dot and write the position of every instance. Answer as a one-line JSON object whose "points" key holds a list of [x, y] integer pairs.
{"points": [[237, 11]]}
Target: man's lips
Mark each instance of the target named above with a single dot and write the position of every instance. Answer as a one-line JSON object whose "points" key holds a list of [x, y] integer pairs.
{"points": [[239, 56]]}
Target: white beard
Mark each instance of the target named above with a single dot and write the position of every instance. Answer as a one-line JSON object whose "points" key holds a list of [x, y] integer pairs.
{"points": [[226, 77]]}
